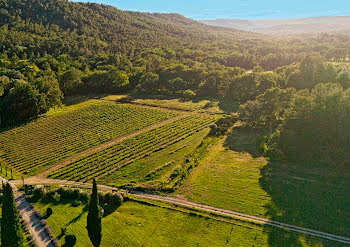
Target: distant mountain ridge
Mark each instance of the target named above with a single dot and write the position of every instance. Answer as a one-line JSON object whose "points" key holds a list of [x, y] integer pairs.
{"points": [[287, 26]]}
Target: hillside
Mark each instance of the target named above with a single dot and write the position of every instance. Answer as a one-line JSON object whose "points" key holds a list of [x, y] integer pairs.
{"points": [[83, 28], [287, 26]]}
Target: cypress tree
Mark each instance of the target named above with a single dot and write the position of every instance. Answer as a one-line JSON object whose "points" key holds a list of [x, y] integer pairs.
{"points": [[11, 233], [94, 218]]}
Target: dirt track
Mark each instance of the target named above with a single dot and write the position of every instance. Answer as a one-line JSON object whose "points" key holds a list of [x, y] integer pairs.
{"points": [[201, 207]]}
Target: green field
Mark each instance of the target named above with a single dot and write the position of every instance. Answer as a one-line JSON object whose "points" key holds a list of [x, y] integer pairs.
{"points": [[139, 224], [102, 163], [234, 176], [68, 131]]}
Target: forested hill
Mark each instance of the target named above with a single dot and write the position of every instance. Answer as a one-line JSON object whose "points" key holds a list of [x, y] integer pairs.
{"points": [[53, 48], [85, 28]]}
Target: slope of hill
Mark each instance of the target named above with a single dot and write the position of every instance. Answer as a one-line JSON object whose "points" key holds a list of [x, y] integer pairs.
{"points": [[83, 28], [286, 26]]}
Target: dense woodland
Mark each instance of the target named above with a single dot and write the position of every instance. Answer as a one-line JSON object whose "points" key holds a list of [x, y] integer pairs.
{"points": [[286, 86]]}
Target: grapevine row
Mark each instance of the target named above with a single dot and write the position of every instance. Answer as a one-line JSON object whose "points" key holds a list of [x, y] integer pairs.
{"points": [[102, 163], [50, 140]]}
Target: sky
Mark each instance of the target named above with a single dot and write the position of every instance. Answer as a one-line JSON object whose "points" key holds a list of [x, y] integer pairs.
{"points": [[236, 9]]}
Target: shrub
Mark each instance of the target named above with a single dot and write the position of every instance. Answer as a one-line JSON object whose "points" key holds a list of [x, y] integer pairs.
{"points": [[116, 199], [63, 231], [76, 203], [38, 192], [56, 197], [189, 94], [84, 196], [70, 240]]}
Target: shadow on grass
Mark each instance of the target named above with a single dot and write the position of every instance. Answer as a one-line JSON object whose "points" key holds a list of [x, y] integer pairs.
{"points": [[244, 139], [76, 99], [311, 195], [109, 209], [316, 202], [76, 219], [225, 106]]}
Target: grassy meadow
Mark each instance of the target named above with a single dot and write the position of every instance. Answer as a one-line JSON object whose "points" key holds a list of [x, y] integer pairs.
{"points": [[234, 176], [142, 224]]}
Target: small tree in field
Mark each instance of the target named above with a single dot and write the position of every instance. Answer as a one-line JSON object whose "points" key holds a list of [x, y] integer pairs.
{"points": [[94, 218], [11, 234]]}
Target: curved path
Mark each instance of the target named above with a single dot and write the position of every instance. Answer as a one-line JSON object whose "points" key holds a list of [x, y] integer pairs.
{"points": [[32, 221], [197, 206]]}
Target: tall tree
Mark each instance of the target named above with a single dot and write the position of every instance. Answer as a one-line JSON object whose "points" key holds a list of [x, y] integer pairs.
{"points": [[11, 234], [94, 218]]}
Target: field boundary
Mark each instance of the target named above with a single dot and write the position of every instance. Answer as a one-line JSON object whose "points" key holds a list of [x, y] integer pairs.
{"points": [[106, 145]]}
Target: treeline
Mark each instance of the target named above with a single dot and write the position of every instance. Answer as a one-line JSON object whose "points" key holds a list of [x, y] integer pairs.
{"points": [[307, 121]]}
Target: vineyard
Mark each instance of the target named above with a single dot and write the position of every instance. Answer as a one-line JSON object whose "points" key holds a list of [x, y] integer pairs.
{"points": [[47, 141], [104, 162]]}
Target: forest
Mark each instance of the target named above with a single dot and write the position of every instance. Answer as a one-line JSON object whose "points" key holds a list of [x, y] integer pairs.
{"points": [[292, 88]]}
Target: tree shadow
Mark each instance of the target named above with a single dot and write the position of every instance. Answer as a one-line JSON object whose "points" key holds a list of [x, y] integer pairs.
{"points": [[302, 197], [311, 195], [244, 139], [109, 209], [76, 219], [76, 99]]}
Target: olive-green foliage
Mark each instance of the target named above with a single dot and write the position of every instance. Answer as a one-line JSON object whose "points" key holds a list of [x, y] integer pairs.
{"points": [[268, 108], [316, 126], [23, 100]]}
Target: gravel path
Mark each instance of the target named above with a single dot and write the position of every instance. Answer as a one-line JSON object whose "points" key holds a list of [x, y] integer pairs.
{"points": [[205, 208], [36, 230]]}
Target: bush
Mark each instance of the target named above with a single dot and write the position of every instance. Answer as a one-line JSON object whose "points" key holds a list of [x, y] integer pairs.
{"points": [[84, 196], [116, 199], [56, 197], [189, 94], [76, 203], [38, 192], [63, 231], [70, 240], [222, 126]]}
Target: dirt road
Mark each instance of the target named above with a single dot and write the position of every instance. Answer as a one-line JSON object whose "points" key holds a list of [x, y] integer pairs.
{"points": [[197, 206]]}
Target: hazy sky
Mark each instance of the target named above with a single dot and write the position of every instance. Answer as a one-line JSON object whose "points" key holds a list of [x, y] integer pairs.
{"points": [[243, 9]]}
